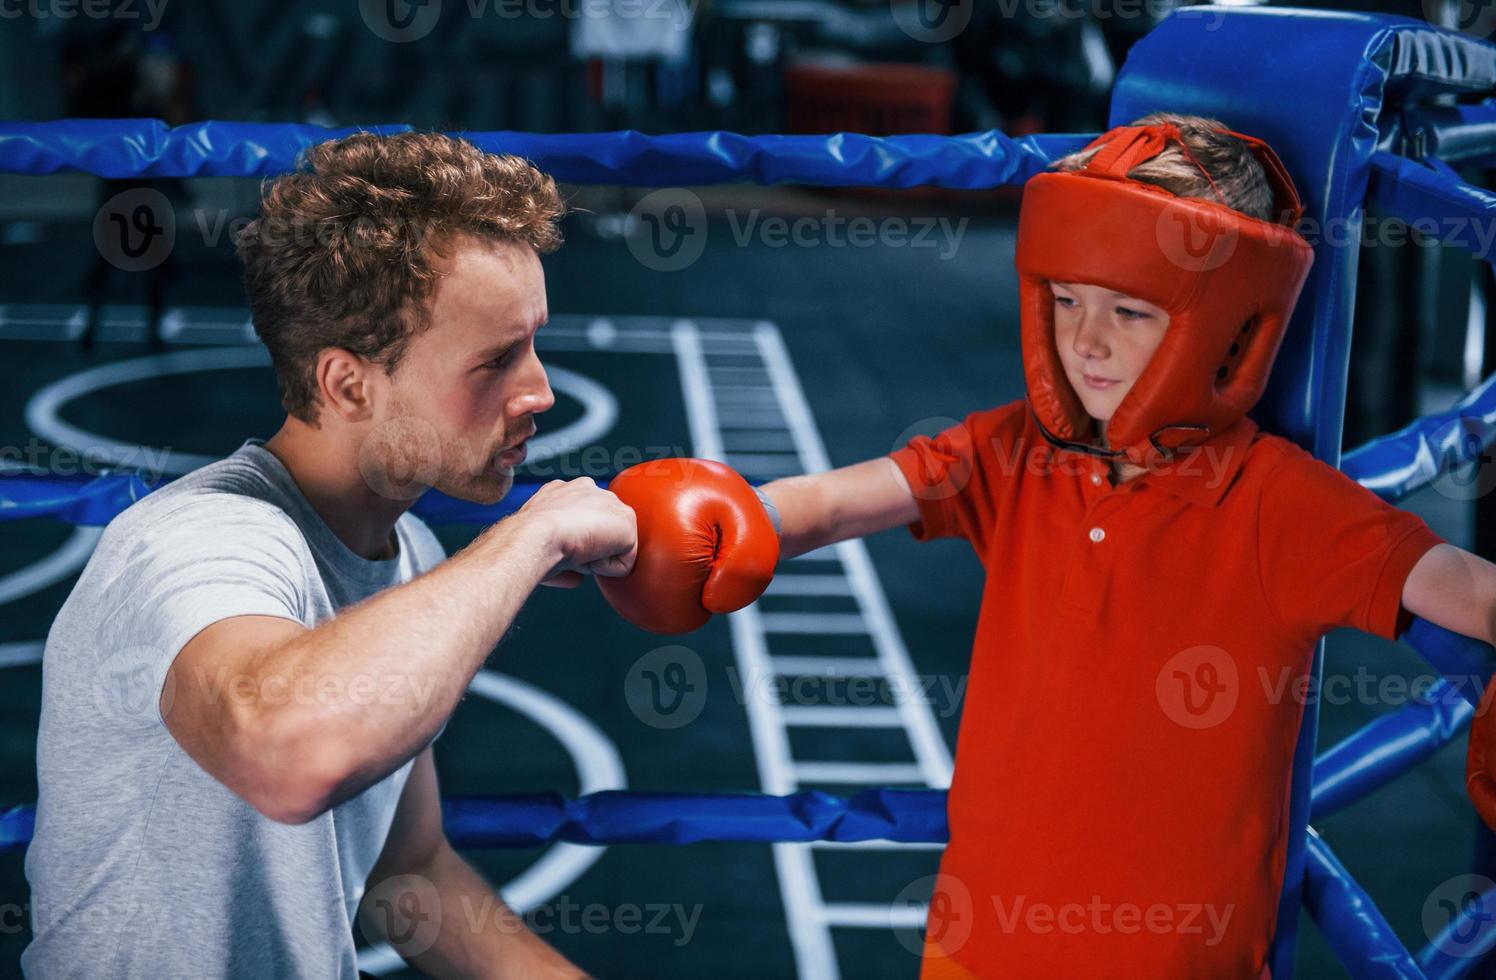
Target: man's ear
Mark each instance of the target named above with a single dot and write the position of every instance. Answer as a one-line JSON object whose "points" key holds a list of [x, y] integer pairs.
{"points": [[346, 383]]}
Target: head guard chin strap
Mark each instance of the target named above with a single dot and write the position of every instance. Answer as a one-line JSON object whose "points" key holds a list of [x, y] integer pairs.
{"points": [[1228, 282]]}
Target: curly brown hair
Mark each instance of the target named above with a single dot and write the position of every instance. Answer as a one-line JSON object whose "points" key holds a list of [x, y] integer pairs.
{"points": [[1232, 165], [342, 253]]}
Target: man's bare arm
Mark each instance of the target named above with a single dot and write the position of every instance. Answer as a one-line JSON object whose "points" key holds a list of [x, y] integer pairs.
{"points": [[436, 910], [297, 720]]}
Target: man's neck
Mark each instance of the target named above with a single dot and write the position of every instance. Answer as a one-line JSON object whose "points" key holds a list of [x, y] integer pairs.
{"points": [[326, 470]]}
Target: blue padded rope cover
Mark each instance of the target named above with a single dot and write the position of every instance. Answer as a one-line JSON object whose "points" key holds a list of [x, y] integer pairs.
{"points": [[1350, 921], [1468, 935], [96, 500], [618, 817], [1431, 197], [17, 825], [1463, 134], [81, 500], [1395, 465], [1465, 661], [1388, 746], [149, 148]]}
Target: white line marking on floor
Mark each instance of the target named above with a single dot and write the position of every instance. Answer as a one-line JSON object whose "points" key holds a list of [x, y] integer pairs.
{"points": [[858, 773], [857, 915], [841, 716]]}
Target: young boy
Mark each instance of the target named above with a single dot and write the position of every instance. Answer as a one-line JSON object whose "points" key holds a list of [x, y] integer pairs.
{"points": [[1158, 572]]}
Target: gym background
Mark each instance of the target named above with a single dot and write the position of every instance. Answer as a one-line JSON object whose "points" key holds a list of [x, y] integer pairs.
{"points": [[886, 339]]}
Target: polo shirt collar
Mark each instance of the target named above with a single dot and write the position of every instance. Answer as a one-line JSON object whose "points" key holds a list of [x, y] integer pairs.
{"points": [[1203, 474]]}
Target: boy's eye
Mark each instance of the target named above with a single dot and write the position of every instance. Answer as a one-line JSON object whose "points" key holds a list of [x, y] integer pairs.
{"points": [[1132, 314], [1064, 301]]}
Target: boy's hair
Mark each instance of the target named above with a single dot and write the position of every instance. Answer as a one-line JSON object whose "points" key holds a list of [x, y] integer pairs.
{"points": [[342, 253], [1232, 165]]}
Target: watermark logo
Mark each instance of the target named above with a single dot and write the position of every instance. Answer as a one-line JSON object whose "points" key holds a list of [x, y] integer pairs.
{"points": [[1477, 18], [667, 687], [1193, 241], [136, 229], [125, 689], [941, 693], [947, 919], [401, 458], [1467, 437], [406, 910], [667, 229], [1198, 687], [1203, 919], [400, 21], [932, 21], [937, 480], [1455, 913], [148, 12]]}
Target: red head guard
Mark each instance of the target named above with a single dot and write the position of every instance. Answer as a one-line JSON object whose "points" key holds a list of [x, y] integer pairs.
{"points": [[1229, 283]]}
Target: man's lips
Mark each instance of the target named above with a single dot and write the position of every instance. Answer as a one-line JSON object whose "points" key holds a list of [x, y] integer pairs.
{"points": [[515, 454]]}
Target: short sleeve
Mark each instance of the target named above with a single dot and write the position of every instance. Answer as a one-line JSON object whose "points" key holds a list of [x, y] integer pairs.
{"points": [[953, 475], [1334, 554], [177, 573]]}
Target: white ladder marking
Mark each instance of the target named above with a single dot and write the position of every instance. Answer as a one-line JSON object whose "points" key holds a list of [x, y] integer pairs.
{"points": [[841, 716], [859, 773], [716, 367], [861, 916], [818, 585], [787, 666]]}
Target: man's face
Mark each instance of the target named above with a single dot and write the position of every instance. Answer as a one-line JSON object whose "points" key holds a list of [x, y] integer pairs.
{"points": [[469, 386], [1105, 339]]}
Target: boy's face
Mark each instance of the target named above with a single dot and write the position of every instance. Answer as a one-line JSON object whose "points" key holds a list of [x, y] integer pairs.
{"points": [[1105, 339]]}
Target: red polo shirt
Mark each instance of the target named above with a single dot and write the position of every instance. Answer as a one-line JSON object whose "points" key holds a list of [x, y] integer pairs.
{"points": [[1119, 805]]}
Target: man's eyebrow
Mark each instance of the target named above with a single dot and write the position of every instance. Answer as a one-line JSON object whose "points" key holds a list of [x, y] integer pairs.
{"points": [[504, 346]]}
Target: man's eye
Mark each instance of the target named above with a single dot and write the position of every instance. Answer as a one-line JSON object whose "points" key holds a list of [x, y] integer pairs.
{"points": [[499, 361]]}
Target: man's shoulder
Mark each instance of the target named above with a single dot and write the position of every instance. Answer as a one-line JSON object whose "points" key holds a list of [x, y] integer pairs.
{"points": [[222, 498]]}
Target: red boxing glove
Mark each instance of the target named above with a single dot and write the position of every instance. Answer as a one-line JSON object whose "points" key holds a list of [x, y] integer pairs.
{"points": [[706, 544], [1478, 779]]}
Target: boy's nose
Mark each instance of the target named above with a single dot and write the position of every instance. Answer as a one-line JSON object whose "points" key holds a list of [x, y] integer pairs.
{"points": [[1088, 343]]}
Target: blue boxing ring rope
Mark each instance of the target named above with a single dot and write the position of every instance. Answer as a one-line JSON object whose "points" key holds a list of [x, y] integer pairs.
{"points": [[1362, 90]]}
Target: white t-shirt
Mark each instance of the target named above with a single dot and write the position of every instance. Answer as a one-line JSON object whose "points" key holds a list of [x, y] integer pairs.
{"points": [[143, 865]]}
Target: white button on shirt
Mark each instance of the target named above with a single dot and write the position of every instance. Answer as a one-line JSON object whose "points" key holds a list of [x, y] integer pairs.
{"points": [[1097, 534], [1096, 478]]}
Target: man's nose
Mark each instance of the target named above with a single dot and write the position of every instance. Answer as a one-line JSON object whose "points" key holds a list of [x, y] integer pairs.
{"points": [[537, 396]]}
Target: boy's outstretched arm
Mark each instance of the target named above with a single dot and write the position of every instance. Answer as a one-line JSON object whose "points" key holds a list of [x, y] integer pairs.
{"points": [[1454, 589], [822, 508]]}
